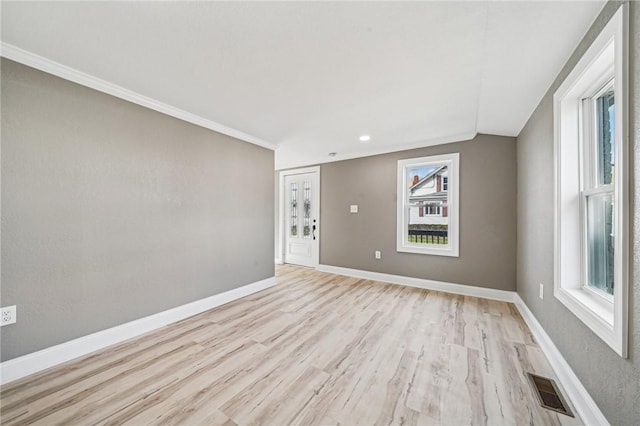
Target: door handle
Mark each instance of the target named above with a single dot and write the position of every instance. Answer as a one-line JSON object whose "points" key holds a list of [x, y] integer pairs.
{"points": [[313, 231]]}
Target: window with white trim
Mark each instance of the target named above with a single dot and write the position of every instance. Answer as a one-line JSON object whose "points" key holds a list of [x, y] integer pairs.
{"points": [[598, 193], [591, 187], [428, 205]]}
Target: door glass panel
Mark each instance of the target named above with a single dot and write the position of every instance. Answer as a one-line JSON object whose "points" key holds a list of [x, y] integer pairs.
{"points": [[601, 241], [293, 220], [307, 210]]}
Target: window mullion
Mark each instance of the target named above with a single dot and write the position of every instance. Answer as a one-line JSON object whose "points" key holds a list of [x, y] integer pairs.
{"points": [[604, 189]]}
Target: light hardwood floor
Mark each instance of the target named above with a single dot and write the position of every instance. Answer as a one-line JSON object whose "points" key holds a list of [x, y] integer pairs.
{"points": [[316, 349]]}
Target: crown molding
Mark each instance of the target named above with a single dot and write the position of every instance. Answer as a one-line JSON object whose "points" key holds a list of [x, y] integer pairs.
{"points": [[284, 164], [25, 57]]}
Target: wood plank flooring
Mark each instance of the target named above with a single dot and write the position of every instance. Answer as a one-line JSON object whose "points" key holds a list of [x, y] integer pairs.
{"points": [[316, 349]]}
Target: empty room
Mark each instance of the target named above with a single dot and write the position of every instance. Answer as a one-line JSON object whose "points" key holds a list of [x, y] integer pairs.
{"points": [[320, 213]]}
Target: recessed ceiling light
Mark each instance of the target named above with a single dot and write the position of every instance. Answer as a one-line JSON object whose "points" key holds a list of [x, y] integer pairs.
{"points": [[332, 154], [365, 138]]}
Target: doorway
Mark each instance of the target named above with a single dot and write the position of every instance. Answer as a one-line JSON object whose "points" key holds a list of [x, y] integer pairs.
{"points": [[300, 216]]}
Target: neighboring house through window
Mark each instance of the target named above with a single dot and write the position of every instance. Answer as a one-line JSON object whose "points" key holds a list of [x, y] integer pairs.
{"points": [[426, 199], [427, 196]]}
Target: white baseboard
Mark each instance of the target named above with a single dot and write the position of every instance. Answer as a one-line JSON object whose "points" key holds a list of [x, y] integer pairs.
{"points": [[278, 261], [37, 361], [585, 407], [465, 290]]}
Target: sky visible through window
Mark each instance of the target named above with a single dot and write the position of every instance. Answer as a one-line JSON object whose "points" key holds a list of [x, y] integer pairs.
{"points": [[420, 172]]}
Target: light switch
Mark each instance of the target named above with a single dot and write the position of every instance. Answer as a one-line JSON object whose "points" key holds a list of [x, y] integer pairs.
{"points": [[541, 291], [354, 208]]}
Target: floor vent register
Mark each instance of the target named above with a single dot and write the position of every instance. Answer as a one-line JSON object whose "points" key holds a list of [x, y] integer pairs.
{"points": [[548, 394]]}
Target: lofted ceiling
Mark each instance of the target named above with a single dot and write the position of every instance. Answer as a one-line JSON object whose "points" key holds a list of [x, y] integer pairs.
{"points": [[308, 78]]}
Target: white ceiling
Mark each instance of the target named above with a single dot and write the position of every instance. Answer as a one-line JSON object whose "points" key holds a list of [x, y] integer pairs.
{"points": [[309, 78]]}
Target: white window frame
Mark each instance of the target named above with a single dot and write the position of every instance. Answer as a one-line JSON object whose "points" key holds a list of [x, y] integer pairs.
{"points": [[589, 170], [453, 165], [605, 59]]}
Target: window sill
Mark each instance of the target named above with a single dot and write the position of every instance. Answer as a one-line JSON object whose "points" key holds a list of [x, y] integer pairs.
{"points": [[593, 310], [444, 251]]}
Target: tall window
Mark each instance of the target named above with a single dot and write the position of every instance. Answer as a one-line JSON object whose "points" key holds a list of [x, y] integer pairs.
{"points": [[598, 117], [591, 187], [428, 205]]}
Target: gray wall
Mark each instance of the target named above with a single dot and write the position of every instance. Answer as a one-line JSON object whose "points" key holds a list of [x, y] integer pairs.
{"points": [[487, 215], [613, 382], [112, 212]]}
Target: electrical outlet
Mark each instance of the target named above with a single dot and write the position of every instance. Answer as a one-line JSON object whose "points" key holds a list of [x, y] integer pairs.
{"points": [[353, 208], [8, 315], [541, 291], [378, 254]]}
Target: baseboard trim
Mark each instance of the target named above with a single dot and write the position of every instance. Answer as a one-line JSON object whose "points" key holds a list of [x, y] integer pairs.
{"points": [[465, 290], [585, 407], [17, 368]]}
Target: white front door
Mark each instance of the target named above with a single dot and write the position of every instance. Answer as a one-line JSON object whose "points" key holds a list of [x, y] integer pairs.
{"points": [[301, 217]]}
